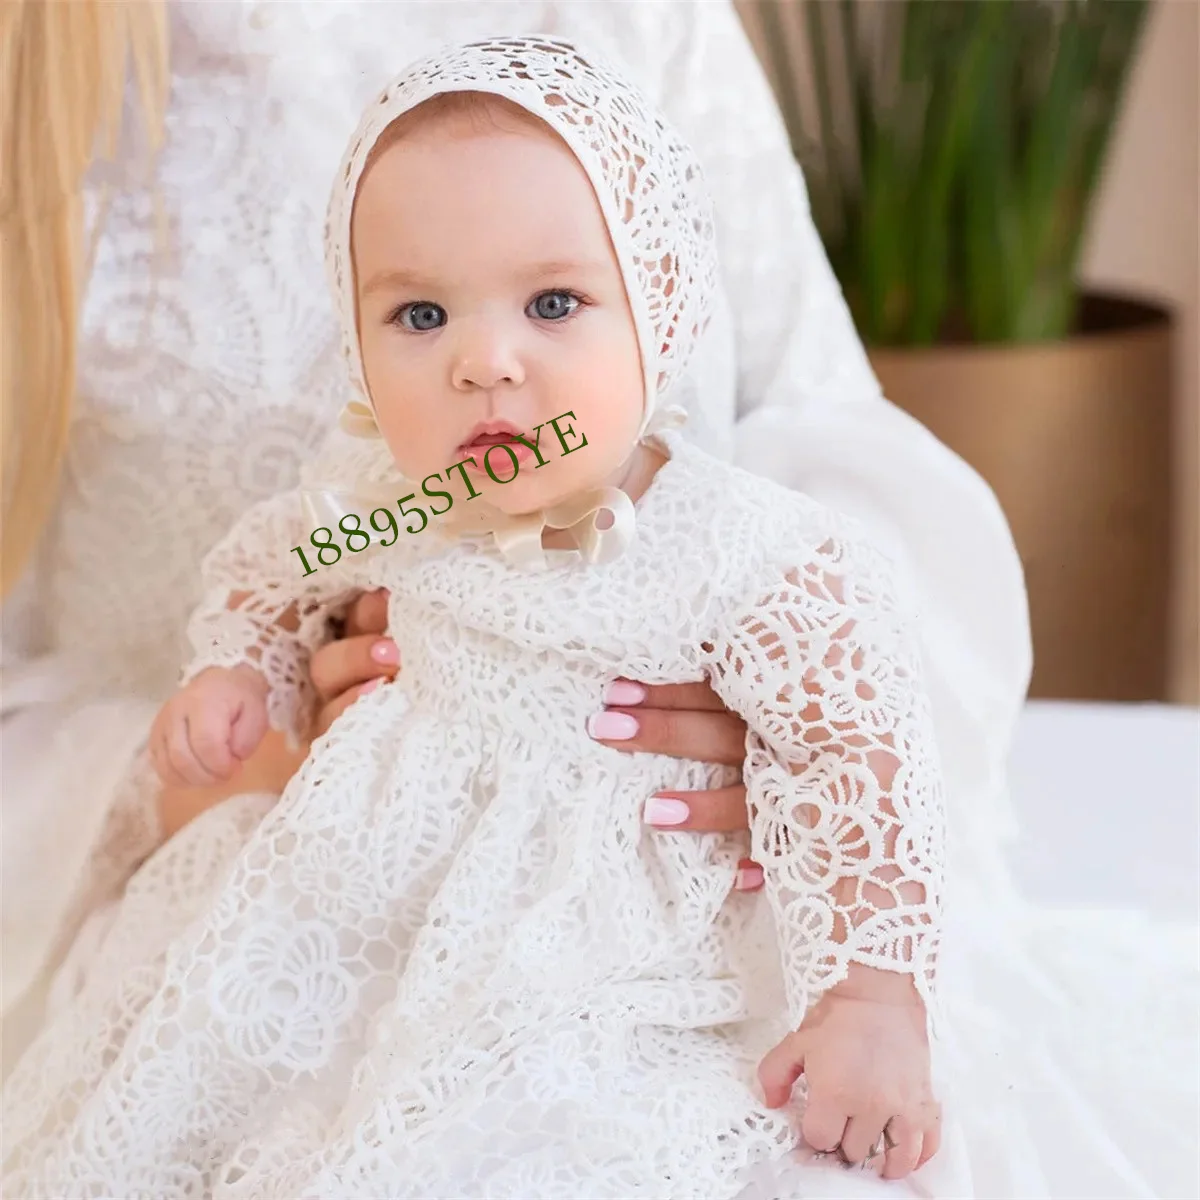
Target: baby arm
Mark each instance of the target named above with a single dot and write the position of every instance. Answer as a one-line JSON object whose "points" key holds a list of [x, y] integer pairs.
{"points": [[846, 815], [253, 633]]}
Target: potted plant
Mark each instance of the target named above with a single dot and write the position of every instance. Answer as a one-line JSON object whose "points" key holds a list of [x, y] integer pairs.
{"points": [[952, 150]]}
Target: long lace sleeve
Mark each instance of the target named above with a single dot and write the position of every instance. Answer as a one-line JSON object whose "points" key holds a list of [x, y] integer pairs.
{"points": [[810, 414], [261, 609], [843, 784]]}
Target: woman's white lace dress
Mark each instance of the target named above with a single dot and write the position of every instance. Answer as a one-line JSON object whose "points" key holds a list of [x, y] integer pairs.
{"points": [[453, 961], [208, 371]]}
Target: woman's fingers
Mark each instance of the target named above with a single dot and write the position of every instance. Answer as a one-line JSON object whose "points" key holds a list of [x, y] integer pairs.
{"points": [[343, 670], [334, 709], [697, 696], [749, 877], [683, 720], [720, 810], [338, 666], [368, 614], [714, 737]]}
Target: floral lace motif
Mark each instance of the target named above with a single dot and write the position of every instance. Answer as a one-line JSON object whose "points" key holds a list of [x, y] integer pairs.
{"points": [[841, 779], [394, 984]]}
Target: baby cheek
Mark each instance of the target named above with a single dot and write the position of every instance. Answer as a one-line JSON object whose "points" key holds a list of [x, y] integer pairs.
{"points": [[609, 419], [416, 432]]}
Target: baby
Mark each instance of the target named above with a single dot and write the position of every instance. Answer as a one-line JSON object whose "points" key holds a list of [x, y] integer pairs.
{"points": [[450, 961]]}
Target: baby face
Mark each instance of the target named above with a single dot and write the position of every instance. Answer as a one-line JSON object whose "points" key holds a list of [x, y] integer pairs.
{"points": [[489, 303]]}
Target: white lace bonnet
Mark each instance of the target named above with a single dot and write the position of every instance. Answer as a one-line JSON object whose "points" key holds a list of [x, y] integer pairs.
{"points": [[646, 178]]}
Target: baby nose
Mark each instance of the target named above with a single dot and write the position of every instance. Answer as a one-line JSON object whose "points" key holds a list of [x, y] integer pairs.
{"points": [[487, 356]]}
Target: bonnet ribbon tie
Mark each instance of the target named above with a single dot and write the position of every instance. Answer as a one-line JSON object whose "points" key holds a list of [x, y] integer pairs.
{"points": [[517, 537]]}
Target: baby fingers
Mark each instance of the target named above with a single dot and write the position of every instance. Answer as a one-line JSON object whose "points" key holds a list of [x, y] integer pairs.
{"points": [[209, 734], [182, 755], [248, 730], [864, 1141], [780, 1068], [824, 1128], [904, 1142]]}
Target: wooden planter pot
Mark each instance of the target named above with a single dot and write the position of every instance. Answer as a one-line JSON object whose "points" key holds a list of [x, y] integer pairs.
{"points": [[1073, 437]]}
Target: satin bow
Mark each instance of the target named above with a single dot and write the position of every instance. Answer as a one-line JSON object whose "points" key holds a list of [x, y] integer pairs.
{"points": [[518, 538]]}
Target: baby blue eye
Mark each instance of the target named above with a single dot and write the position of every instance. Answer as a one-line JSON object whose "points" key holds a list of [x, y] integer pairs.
{"points": [[421, 316], [553, 306]]}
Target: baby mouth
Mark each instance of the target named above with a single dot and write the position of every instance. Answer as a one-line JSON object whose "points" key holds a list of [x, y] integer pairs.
{"points": [[518, 452], [483, 442], [492, 439]]}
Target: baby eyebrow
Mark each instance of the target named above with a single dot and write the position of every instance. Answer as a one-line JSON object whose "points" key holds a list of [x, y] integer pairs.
{"points": [[562, 266], [397, 278]]}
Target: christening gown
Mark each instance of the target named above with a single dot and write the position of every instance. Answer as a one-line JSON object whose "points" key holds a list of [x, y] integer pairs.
{"points": [[453, 961], [193, 1013]]}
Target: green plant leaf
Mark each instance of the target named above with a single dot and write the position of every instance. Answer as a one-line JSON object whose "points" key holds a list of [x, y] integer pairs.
{"points": [[980, 129]]}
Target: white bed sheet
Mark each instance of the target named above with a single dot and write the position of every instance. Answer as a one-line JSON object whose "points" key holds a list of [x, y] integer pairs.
{"points": [[1107, 797]]}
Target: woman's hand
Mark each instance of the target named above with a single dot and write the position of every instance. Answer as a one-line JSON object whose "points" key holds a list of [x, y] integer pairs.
{"points": [[864, 1051], [683, 720], [357, 662]]}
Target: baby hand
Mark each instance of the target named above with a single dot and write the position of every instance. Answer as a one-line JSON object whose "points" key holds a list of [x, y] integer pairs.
{"points": [[202, 733], [864, 1052]]}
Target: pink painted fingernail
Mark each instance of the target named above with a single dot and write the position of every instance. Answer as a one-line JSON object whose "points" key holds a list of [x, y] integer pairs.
{"points": [[623, 693], [615, 727], [665, 810], [370, 686], [386, 651], [748, 879]]}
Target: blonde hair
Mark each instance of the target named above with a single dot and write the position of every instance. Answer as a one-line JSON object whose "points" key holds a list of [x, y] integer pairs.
{"points": [[63, 72]]}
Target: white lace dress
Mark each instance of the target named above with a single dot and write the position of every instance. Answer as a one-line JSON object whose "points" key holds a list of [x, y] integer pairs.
{"points": [[452, 961], [209, 369], [208, 373]]}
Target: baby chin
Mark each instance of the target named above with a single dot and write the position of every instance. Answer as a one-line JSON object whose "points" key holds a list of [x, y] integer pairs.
{"points": [[526, 493], [510, 476]]}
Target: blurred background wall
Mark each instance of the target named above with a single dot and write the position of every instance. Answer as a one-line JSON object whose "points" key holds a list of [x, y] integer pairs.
{"points": [[1144, 236], [1078, 542]]}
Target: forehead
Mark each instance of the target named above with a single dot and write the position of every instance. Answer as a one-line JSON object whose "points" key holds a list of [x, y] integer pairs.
{"points": [[454, 113], [458, 187]]}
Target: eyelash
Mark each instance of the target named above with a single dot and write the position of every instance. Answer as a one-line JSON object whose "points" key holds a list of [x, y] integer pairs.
{"points": [[582, 302]]}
